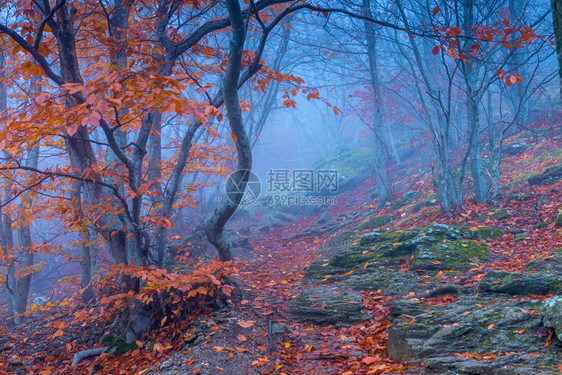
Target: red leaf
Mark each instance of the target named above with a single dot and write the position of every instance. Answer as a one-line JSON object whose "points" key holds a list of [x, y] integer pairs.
{"points": [[436, 10], [435, 50], [369, 360]]}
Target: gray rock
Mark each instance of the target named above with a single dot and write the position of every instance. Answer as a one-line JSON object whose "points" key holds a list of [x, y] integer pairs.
{"points": [[549, 176], [450, 255], [515, 364], [522, 284], [389, 282], [406, 199], [552, 264], [551, 311], [515, 148], [328, 305], [473, 325], [278, 328]]}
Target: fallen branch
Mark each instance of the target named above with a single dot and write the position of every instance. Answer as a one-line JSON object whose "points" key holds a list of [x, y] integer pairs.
{"points": [[80, 356]]}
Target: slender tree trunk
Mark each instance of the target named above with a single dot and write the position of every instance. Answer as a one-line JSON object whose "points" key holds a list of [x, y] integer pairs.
{"points": [[481, 184], [557, 18], [214, 225], [383, 186]]}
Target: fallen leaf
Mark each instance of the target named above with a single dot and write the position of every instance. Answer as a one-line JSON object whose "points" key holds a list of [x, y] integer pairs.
{"points": [[246, 324]]}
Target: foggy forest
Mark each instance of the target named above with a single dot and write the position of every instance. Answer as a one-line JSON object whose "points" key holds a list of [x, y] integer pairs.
{"points": [[281, 187]]}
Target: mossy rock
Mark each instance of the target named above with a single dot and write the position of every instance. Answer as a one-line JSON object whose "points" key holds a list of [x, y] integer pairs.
{"points": [[390, 283], [406, 199], [520, 197], [378, 236], [328, 305], [541, 225], [343, 239], [375, 222], [521, 284], [430, 201], [473, 324], [341, 261], [485, 233], [552, 264], [450, 255], [515, 148], [549, 176], [500, 215]]}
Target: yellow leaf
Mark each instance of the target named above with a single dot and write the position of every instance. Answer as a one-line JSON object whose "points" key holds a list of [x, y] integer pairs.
{"points": [[287, 345]]}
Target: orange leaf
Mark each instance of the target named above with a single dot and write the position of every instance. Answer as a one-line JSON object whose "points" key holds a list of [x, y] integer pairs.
{"points": [[234, 137], [369, 360], [241, 338], [521, 331], [246, 324], [491, 326]]}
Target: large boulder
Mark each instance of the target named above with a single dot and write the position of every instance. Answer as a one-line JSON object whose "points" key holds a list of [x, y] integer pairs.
{"points": [[435, 335], [515, 148], [520, 284], [390, 283], [549, 176], [328, 305]]}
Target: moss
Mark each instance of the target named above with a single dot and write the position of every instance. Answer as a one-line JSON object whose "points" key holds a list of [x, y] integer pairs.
{"points": [[376, 221], [500, 215], [451, 255], [488, 232], [121, 347], [541, 225], [344, 238], [549, 176], [558, 222], [406, 199]]}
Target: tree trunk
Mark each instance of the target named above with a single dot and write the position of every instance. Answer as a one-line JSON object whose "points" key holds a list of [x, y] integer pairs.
{"points": [[481, 184], [214, 225], [557, 18], [383, 187]]}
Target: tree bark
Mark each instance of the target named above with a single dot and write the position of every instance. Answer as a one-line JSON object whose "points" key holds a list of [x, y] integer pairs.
{"points": [[214, 225], [383, 187], [481, 184], [557, 18]]}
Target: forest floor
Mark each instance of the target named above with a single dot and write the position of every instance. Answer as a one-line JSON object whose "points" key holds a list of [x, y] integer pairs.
{"points": [[255, 335]]}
